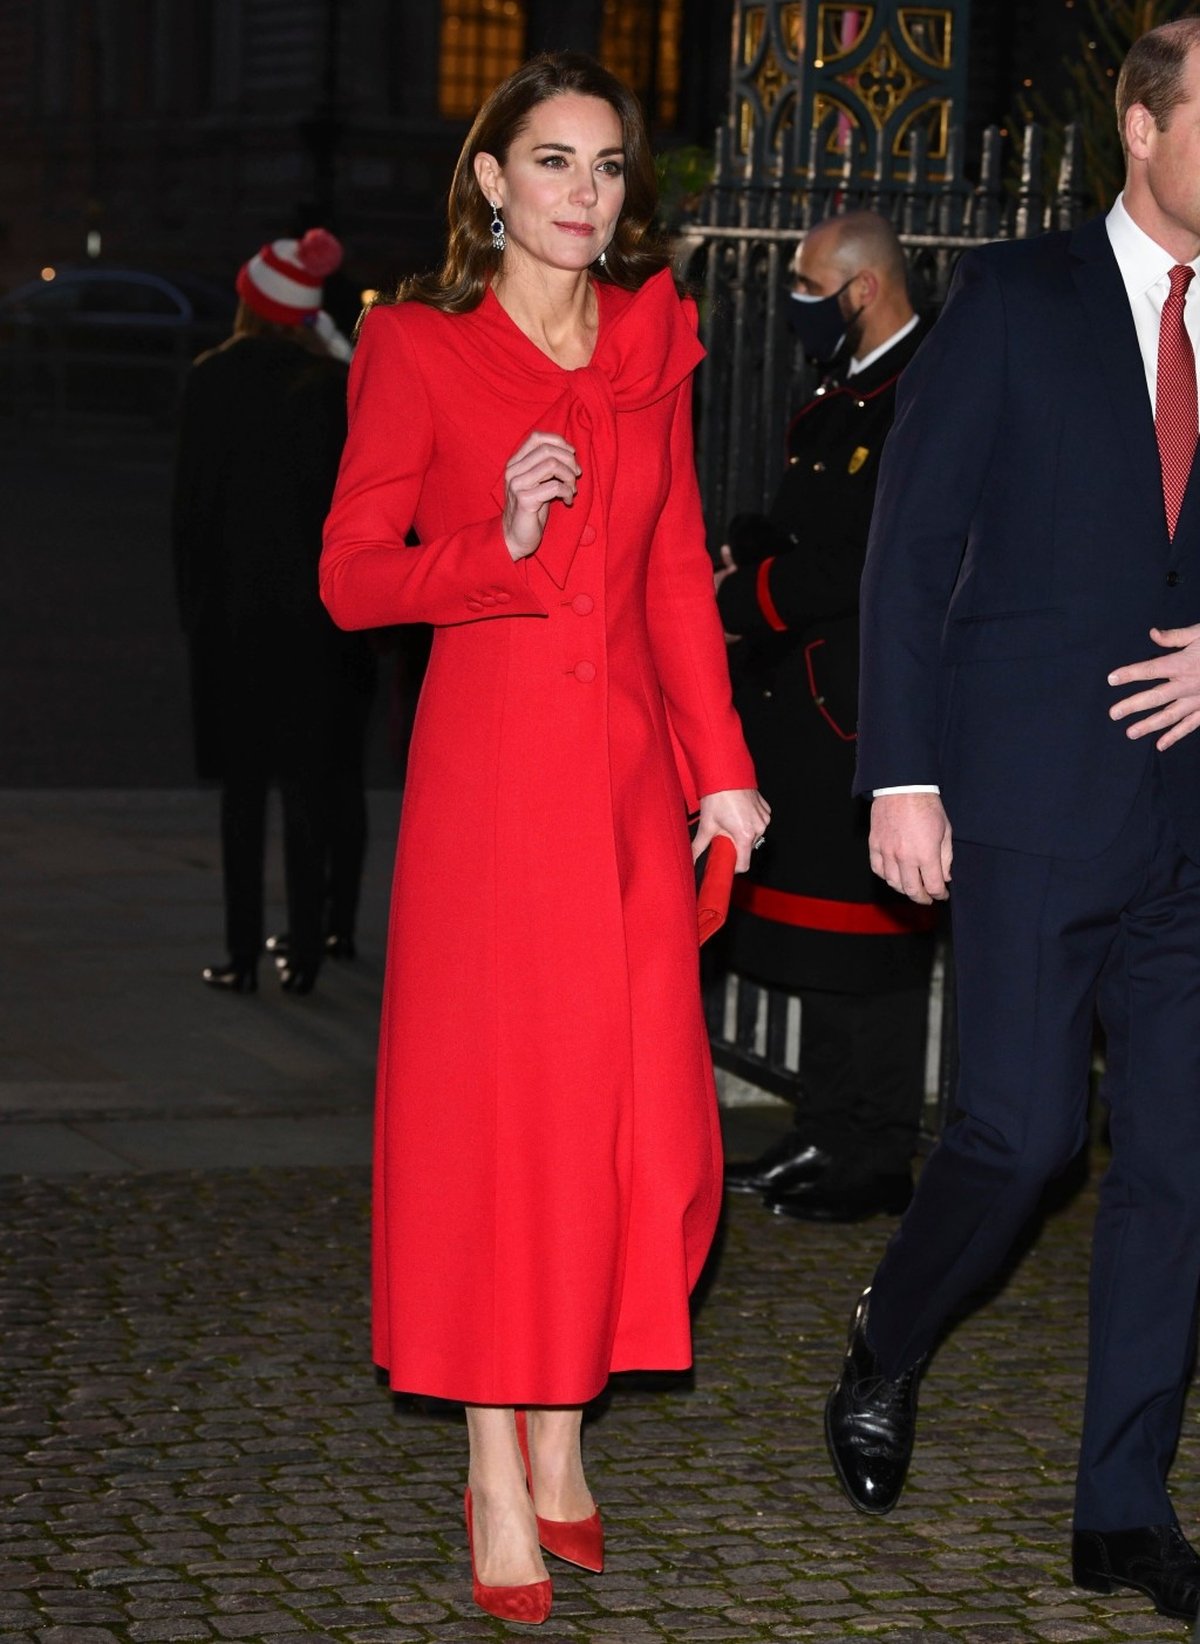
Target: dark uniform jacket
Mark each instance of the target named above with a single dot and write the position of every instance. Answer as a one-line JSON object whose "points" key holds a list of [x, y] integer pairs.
{"points": [[264, 422], [811, 914]]}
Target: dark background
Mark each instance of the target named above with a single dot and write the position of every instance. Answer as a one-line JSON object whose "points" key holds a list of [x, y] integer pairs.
{"points": [[187, 132]]}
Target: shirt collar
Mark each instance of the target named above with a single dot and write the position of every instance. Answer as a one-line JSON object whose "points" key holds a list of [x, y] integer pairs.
{"points": [[857, 367], [1141, 260]]}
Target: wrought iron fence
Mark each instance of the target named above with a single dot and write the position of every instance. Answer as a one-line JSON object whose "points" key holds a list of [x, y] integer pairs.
{"points": [[737, 262], [754, 1032]]}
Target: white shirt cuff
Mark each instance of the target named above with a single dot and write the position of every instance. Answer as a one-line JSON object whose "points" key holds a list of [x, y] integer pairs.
{"points": [[916, 787]]}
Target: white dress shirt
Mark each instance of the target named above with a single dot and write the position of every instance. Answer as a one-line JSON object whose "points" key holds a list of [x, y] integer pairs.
{"points": [[1145, 269], [868, 360]]}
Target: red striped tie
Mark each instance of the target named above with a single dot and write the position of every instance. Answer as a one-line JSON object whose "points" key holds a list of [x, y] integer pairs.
{"points": [[1175, 415]]}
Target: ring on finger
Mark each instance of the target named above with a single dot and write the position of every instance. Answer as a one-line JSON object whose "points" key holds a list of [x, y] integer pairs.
{"points": [[759, 842]]}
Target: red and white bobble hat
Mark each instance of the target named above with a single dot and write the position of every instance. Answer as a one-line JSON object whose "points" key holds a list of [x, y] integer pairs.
{"points": [[283, 282]]}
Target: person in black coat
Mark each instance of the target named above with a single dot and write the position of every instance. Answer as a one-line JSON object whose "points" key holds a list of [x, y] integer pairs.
{"points": [[279, 694], [810, 917]]}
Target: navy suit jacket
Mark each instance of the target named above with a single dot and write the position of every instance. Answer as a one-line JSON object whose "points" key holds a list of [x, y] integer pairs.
{"points": [[1019, 552]]}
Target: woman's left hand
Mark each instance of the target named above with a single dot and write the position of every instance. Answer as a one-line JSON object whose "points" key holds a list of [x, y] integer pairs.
{"points": [[742, 813]]}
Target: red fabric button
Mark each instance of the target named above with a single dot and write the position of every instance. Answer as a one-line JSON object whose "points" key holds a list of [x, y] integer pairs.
{"points": [[583, 605], [588, 534], [474, 605], [585, 672]]}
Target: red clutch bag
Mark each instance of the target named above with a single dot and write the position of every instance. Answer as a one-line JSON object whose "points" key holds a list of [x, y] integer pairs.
{"points": [[713, 903]]}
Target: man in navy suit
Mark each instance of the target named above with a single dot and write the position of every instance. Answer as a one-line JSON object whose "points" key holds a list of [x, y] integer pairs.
{"points": [[1038, 516]]}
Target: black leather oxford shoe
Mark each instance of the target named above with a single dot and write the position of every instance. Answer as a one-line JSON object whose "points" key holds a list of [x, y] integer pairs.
{"points": [[828, 1199], [295, 977], [1157, 1561], [870, 1422], [786, 1163], [231, 977]]}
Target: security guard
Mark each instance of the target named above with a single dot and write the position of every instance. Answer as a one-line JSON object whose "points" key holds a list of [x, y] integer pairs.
{"points": [[810, 917]]}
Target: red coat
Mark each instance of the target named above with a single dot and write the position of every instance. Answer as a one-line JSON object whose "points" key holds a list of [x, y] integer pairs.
{"points": [[547, 1150]]}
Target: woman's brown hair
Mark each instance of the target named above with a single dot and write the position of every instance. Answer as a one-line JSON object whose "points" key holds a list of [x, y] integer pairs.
{"points": [[632, 255], [247, 322]]}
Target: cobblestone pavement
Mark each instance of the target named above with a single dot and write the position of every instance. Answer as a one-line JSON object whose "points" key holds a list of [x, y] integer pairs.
{"points": [[192, 1445]]}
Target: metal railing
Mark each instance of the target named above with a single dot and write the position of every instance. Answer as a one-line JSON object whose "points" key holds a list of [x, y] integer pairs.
{"points": [[738, 264], [754, 1032]]}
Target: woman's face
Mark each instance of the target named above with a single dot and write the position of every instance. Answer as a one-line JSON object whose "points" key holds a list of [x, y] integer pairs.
{"points": [[562, 186]]}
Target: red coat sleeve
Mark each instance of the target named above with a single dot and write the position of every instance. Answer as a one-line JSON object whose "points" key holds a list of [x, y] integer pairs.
{"points": [[369, 578], [686, 636]]}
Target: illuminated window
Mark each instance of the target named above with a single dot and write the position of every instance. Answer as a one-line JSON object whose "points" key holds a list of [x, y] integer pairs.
{"points": [[640, 43], [670, 34], [482, 42]]}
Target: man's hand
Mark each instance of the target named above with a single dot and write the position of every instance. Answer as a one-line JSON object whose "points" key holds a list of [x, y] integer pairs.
{"points": [[728, 567], [1176, 695], [911, 845]]}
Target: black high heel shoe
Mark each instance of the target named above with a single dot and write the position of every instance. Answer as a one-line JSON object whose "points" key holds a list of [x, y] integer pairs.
{"points": [[231, 977]]}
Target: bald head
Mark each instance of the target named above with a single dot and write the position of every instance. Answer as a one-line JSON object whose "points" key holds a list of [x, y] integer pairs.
{"points": [[862, 240], [859, 256]]}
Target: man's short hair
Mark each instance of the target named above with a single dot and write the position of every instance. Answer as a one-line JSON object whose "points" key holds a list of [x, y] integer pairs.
{"points": [[1152, 74]]}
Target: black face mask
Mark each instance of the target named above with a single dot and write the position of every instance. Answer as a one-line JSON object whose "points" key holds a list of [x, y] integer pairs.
{"points": [[820, 324]]}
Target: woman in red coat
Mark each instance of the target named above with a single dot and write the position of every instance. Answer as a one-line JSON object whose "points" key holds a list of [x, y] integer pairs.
{"points": [[547, 1149]]}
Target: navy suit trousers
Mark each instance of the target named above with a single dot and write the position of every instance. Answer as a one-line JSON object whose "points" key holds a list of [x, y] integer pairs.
{"points": [[1040, 944]]}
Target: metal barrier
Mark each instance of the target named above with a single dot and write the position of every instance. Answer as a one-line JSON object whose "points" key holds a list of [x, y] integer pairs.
{"points": [[754, 1032]]}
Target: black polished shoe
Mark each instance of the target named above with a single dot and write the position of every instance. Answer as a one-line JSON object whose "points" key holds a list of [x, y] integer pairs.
{"points": [[295, 977], [231, 977], [1157, 1561], [829, 1200], [786, 1163], [870, 1422]]}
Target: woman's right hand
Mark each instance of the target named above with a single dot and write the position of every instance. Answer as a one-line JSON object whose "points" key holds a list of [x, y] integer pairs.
{"points": [[542, 471]]}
